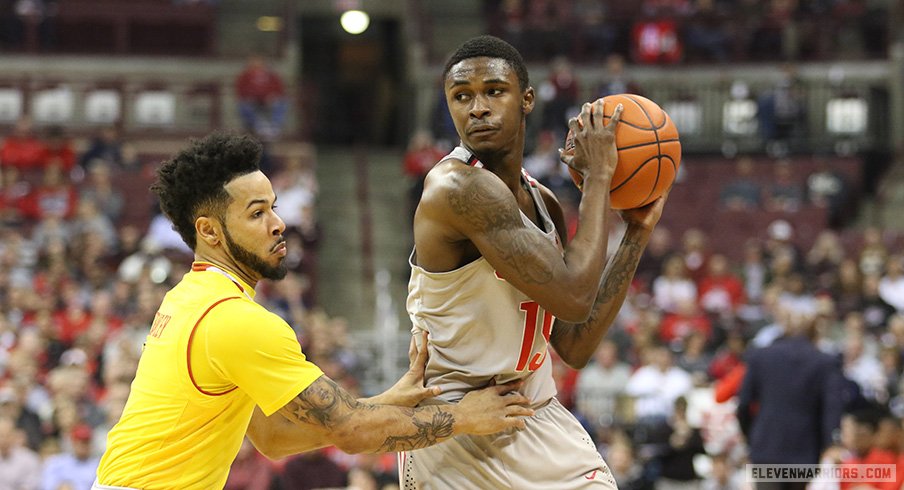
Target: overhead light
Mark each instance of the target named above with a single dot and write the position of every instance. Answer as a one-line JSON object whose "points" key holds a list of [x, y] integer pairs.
{"points": [[354, 21], [269, 23]]}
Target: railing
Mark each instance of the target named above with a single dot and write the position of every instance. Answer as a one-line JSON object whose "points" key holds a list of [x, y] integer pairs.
{"points": [[79, 104]]}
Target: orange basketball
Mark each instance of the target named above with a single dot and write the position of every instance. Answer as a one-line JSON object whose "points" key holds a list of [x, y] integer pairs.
{"points": [[649, 152]]}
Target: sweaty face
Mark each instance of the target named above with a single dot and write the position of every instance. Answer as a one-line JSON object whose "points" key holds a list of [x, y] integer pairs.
{"points": [[253, 231], [486, 103]]}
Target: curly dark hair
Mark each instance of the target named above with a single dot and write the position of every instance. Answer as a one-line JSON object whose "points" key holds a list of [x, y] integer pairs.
{"points": [[491, 47], [191, 184]]}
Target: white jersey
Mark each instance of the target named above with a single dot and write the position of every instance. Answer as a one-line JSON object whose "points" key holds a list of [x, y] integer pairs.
{"points": [[480, 326]]}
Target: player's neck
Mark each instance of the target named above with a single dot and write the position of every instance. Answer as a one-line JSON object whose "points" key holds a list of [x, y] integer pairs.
{"points": [[229, 265]]}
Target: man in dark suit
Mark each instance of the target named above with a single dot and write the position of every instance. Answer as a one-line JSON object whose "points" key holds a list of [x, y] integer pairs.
{"points": [[791, 400]]}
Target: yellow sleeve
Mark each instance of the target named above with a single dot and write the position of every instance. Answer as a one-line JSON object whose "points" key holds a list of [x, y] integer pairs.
{"points": [[257, 351]]}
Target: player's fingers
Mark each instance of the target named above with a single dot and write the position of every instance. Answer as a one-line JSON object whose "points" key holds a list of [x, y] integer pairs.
{"points": [[518, 411], [573, 125], [508, 387], [412, 351], [616, 116], [567, 159], [516, 399], [585, 121], [432, 391], [596, 113]]}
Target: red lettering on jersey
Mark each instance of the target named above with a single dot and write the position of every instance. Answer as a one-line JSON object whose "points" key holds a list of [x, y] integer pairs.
{"points": [[160, 322], [498, 276], [591, 476]]}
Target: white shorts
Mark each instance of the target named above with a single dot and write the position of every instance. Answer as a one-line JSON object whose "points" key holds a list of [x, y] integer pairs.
{"points": [[553, 452]]}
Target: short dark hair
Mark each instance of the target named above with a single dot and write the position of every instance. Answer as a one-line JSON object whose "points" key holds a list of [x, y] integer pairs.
{"points": [[192, 183], [491, 47]]}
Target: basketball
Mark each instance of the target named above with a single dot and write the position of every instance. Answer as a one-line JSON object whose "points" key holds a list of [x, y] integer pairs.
{"points": [[649, 151]]}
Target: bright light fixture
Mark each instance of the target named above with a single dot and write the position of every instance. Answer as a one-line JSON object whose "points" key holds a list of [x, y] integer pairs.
{"points": [[354, 21]]}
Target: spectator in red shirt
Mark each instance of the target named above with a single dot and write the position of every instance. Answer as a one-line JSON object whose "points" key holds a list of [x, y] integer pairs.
{"points": [[56, 197], [858, 436], [58, 148], [262, 102], [686, 320], [721, 292], [22, 149]]}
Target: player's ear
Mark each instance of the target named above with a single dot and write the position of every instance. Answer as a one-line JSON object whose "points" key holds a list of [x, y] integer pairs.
{"points": [[208, 230], [527, 101]]}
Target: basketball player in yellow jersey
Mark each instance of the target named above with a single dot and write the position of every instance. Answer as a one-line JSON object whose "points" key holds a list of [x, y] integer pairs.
{"points": [[495, 280], [217, 365]]}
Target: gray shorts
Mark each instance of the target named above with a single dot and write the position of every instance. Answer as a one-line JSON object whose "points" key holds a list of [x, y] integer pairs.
{"points": [[553, 452], [98, 486]]}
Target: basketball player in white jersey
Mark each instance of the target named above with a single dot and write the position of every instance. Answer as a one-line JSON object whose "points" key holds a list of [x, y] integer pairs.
{"points": [[494, 280]]}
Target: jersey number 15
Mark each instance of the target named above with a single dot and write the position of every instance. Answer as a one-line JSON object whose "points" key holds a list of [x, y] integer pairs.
{"points": [[532, 318]]}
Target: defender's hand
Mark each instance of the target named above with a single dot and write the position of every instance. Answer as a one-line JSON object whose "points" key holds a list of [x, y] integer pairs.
{"points": [[493, 409], [409, 390]]}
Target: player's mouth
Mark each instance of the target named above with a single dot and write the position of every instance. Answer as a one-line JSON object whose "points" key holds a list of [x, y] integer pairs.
{"points": [[481, 129], [280, 249]]}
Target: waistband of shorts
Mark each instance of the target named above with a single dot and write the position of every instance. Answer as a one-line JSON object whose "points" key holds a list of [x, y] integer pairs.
{"points": [[98, 486], [437, 401]]}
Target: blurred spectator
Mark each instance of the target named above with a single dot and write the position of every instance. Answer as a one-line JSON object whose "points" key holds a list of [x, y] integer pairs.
{"points": [[744, 192], [863, 369], [75, 469], [678, 443], [20, 467], [13, 191], [782, 112], [99, 189], [873, 252], [754, 271], [55, 197], [296, 185], [422, 154], [673, 286], [891, 286], [707, 32], [627, 471], [651, 262], [695, 359], [12, 406], [847, 289], [827, 188], [784, 192], [721, 292], [559, 95], [262, 100], [22, 149], [796, 388], [656, 385], [105, 145], [695, 251], [600, 384], [687, 319], [543, 164], [824, 259], [615, 80], [874, 310], [250, 470], [58, 148], [859, 429], [655, 40]]}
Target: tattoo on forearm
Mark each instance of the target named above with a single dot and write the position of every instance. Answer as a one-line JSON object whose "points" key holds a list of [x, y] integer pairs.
{"points": [[488, 210], [317, 403], [428, 433], [622, 271]]}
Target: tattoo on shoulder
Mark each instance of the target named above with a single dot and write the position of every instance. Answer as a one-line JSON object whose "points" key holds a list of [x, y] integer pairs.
{"points": [[498, 217], [317, 404], [427, 434]]}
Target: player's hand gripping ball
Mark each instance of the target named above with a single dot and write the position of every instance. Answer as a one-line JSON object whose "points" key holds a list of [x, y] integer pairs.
{"points": [[649, 152]]}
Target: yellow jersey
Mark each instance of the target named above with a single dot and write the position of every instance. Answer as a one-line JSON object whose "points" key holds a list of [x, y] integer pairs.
{"points": [[212, 354]]}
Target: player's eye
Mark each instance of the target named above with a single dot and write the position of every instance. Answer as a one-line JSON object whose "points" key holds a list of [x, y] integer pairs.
{"points": [[495, 91], [461, 96]]}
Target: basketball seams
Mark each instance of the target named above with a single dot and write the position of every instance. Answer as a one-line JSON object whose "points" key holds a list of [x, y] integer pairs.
{"points": [[658, 156], [648, 143], [636, 170]]}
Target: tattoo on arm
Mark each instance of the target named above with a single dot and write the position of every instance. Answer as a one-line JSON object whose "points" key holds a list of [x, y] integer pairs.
{"points": [[428, 433], [491, 212], [318, 402], [615, 281]]}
